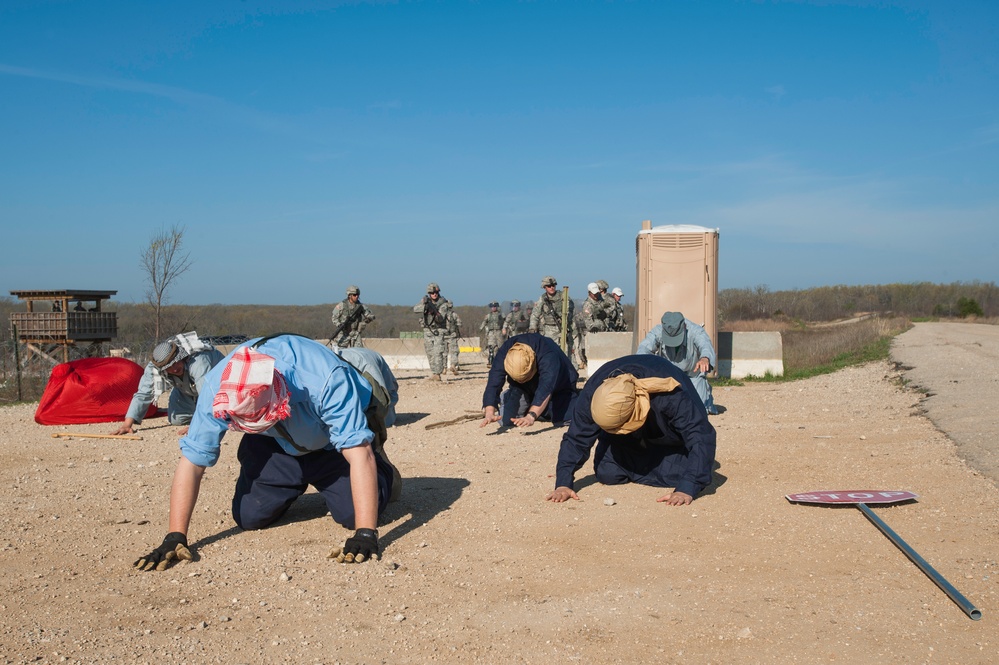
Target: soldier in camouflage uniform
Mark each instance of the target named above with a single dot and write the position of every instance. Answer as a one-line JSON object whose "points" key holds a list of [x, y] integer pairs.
{"points": [[492, 326], [546, 318], [594, 310], [434, 313], [451, 338], [606, 301], [516, 321], [618, 322], [579, 343], [593, 318], [350, 317]]}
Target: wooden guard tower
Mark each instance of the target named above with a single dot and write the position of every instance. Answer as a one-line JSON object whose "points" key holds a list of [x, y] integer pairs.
{"points": [[66, 320]]}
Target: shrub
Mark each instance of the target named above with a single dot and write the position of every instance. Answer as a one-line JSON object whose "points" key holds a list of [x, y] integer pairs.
{"points": [[968, 307]]}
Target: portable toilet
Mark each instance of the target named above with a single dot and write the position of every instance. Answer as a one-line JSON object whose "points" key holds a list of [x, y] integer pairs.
{"points": [[677, 272]]}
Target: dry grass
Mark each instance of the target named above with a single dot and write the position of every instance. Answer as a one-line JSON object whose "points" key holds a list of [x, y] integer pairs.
{"points": [[819, 348], [815, 350], [780, 324]]}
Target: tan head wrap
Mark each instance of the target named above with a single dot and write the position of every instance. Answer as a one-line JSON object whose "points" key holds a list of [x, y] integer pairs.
{"points": [[519, 363], [621, 403]]}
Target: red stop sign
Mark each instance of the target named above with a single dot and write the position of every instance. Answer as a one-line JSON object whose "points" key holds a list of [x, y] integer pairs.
{"points": [[852, 496]]}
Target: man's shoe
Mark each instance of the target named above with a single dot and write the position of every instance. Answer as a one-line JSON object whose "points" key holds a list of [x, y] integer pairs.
{"points": [[434, 377]]}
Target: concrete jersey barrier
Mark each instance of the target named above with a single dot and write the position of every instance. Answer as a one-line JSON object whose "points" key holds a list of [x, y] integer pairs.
{"points": [[740, 354]]}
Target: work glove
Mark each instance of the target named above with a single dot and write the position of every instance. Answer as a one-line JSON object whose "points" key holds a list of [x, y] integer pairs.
{"points": [[361, 546], [173, 548]]}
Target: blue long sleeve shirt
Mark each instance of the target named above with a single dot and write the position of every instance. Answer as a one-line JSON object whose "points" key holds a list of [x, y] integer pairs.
{"points": [[675, 419], [328, 399]]}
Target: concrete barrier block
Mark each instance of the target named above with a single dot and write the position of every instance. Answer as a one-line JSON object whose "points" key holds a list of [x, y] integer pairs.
{"points": [[743, 354], [604, 346], [409, 353], [399, 353]]}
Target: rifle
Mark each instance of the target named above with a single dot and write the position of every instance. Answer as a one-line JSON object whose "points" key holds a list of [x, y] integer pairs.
{"points": [[353, 315], [551, 310], [429, 307], [565, 320]]}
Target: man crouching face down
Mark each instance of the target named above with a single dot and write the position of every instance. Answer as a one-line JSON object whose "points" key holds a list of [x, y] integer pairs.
{"points": [[307, 417], [649, 427]]}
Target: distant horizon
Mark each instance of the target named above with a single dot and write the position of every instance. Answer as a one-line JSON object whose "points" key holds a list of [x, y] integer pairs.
{"points": [[484, 304]]}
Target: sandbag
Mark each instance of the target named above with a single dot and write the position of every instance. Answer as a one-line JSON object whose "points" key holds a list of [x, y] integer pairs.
{"points": [[90, 390]]}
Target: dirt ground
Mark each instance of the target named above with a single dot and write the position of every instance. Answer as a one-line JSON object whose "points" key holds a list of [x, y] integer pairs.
{"points": [[479, 568]]}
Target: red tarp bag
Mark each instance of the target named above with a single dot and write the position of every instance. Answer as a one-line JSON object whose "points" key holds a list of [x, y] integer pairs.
{"points": [[90, 390]]}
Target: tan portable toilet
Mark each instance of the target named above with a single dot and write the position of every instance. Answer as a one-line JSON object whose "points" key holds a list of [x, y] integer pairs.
{"points": [[677, 272]]}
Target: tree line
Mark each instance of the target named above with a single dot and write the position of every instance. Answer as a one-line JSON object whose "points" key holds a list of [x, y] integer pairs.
{"points": [[829, 303], [137, 322]]}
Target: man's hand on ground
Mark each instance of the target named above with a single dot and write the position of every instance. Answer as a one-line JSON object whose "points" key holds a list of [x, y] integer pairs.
{"points": [[675, 499], [360, 547], [562, 494], [173, 548], [490, 416]]}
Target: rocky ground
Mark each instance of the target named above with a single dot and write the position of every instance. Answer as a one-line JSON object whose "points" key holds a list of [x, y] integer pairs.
{"points": [[479, 568]]}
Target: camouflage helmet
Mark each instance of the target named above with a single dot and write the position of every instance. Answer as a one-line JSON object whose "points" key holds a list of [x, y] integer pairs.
{"points": [[603, 285], [353, 290], [494, 304], [514, 303], [548, 280], [433, 288]]}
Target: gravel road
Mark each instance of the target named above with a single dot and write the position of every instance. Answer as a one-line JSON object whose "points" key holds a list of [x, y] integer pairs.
{"points": [[957, 366], [478, 567]]}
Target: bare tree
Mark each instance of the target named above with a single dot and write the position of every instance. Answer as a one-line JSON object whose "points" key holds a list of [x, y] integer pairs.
{"points": [[164, 260]]}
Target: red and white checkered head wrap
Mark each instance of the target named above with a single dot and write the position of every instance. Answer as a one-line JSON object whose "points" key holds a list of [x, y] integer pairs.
{"points": [[252, 395]]}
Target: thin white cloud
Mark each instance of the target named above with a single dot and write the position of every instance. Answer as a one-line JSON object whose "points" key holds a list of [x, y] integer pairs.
{"points": [[178, 95], [855, 216], [776, 91], [774, 199], [183, 97]]}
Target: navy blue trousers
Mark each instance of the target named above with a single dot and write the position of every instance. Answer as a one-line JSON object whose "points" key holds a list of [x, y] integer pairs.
{"points": [[515, 401], [657, 466], [270, 480]]}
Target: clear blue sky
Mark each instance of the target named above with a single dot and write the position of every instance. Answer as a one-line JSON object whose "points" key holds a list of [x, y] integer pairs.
{"points": [[306, 146]]}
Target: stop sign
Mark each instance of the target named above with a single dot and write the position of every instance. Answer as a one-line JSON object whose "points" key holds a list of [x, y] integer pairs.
{"points": [[852, 496]]}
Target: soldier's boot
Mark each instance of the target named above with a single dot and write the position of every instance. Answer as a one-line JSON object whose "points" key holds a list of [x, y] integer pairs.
{"points": [[454, 371], [434, 377]]}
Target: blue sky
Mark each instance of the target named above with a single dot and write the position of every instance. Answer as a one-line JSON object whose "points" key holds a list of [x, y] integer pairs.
{"points": [[305, 146]]}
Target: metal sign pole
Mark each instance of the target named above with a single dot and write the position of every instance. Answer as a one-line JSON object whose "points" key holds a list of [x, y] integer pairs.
{"points": [[931, 572]]}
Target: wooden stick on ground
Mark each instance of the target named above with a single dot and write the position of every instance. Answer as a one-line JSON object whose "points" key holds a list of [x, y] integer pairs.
{"points": [[87, 435], [460, 419]]}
